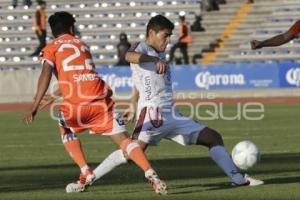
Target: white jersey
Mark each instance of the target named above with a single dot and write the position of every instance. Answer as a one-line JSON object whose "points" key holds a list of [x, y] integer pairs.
{"points": [[157, 118], [154, 89]]}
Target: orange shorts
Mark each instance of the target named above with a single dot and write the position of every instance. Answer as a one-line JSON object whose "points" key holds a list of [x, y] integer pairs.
{"points": [[98, 117]]}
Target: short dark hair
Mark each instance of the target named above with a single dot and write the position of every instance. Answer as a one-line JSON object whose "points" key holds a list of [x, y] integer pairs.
{"points": [[159, 22], [41, 3], [60, 23]]}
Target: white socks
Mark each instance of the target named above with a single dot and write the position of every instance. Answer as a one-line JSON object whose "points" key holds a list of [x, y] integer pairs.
{"points": [[217, 153], [224, 161], [115, 159], [150, 172], [84, 168]]}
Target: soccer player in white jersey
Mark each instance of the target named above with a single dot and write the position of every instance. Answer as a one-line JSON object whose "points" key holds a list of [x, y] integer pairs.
{"points": [[157, 118]]}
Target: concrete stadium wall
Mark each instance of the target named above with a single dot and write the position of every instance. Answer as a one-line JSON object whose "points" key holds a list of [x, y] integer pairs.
{"points": [[18, 85]]}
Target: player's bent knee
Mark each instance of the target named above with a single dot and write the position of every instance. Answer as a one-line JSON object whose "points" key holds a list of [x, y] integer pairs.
{"points": [[210, 138], [119, 138], [218, 140], [128, 145], [125, 143], [125, 154], [142, 144]]}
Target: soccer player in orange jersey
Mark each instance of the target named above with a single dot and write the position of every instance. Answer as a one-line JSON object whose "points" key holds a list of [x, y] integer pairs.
{"points": [[280, 39], [87, 103]]}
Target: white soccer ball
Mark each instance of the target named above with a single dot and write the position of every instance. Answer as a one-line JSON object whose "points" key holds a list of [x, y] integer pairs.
{"points": [[245, 154]]}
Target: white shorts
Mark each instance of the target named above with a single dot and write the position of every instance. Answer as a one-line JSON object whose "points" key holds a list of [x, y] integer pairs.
{"points": [[152, 126]]}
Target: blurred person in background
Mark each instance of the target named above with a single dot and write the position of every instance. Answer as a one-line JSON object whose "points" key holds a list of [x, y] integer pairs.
{"points": [[197, 26], [222, 1], [185, 38], [211, 5], [40, 26], [25, 3], [122, 48]]}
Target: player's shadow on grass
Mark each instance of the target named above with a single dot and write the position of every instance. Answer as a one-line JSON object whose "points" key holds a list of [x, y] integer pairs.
{"points": [[198, 188], [24, 178], [283, 180]]}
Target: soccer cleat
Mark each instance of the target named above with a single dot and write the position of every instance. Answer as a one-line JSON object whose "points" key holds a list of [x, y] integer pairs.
{"points": [[249, 182], [253, 181], [75, 187], [84, 181], [159, 186]]}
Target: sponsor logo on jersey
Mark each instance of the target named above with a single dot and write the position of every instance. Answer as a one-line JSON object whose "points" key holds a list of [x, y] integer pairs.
{"points": [[292, 76], [148, 87], [85, 77], [206, 79]]}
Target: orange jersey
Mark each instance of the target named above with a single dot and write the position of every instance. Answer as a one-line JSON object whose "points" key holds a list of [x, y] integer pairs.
{"points": [[73, 66], [40, 20], [183, 26], [295, 29]]}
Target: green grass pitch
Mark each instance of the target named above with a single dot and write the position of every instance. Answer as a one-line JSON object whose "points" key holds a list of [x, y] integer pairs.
{"points": [[34, 164]]}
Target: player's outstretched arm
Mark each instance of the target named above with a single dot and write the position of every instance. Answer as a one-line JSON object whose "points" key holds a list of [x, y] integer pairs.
{"points": [[43, 84], [129, 114], [137, 58], [272, 42]]}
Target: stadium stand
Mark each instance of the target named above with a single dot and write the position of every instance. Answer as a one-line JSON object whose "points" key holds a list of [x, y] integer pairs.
{"points": [[267, 18], [100, 24]]}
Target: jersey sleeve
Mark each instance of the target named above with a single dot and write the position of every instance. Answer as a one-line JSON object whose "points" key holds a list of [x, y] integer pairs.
{"points": [[133, 47], [48, 55], [138, 47], [143, 48], [295, 29]]}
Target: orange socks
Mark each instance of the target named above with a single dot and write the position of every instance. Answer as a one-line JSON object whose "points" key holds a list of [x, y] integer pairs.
{"points": [[135, 153], [73, 146], [133, 150]]}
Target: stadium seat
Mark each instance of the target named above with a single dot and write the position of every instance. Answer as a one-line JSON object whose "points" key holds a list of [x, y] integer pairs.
{"points": [[100, 24]]}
